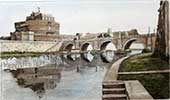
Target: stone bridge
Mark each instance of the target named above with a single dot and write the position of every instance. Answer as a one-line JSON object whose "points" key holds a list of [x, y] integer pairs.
{"points": [[122, 43]]}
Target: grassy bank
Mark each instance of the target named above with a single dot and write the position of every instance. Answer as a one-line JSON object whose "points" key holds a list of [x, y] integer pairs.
{"points": [[143, 62], [19, 54], [156, 84]]}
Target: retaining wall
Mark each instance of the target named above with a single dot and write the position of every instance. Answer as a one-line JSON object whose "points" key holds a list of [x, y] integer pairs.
{"points": [[29, 46]]}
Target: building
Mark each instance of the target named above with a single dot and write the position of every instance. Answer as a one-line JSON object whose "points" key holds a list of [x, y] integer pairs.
{"points": [[162, 45], [36, 27]]}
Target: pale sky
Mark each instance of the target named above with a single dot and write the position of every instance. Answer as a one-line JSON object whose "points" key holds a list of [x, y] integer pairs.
{"points": [[82, 16]]}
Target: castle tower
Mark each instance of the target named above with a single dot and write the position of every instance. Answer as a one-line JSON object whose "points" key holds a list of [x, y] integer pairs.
{"points": [[43, 26]]}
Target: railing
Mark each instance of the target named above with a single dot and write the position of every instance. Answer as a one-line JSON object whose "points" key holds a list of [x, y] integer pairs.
{"points": [[110, 38]]}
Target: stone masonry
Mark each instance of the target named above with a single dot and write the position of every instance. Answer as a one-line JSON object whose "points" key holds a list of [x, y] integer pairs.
{"points": [[29, 46], [162, 45], [36, 27]]}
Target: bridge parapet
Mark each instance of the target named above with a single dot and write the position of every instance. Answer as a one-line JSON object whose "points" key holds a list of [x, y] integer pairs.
{"points": [[119, 42]]}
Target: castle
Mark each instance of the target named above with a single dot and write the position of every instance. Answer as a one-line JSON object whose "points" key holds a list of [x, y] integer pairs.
{"points": [[36, 27]]}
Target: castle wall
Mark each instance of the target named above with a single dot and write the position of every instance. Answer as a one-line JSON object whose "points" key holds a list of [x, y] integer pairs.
{"points": [[29, 46], [41, 26]]}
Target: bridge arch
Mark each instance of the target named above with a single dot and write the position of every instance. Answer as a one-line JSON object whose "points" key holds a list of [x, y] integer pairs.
{"points": [[68, 47], [105, 44], [86, 54], [128, 43], [86, 47]]}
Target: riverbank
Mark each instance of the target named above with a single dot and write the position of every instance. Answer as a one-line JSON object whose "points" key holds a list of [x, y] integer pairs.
{"points": [[20, 54], [157, 84]]}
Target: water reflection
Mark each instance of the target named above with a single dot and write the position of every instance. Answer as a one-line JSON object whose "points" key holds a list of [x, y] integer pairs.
{"points": [[108, 56], [38, 79], [73, 56], [87, 56], [32, 62], [27, 62], [52, 77]]}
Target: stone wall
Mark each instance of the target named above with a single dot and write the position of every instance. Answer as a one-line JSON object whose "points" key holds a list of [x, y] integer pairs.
{"points": [[136, 91], [29, 46], [162, 44], [43, 27]]}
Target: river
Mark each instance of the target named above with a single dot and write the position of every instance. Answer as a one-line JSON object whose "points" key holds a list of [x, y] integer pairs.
{"points": [[54, 77], [51, 77]]}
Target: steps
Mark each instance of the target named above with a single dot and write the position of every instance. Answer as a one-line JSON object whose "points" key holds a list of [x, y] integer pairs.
{"points": [[114, 90]]}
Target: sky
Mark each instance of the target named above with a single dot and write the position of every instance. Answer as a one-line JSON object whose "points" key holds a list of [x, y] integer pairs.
{"points": [[82, 16]]}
